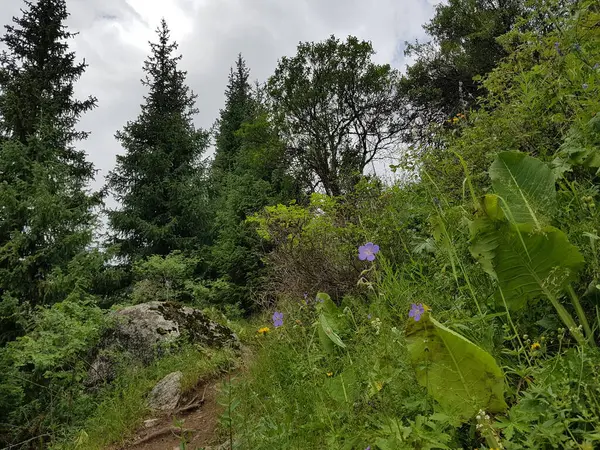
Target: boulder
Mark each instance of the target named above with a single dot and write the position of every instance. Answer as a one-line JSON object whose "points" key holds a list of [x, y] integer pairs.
{"points": [[166, 394], [146, 331]]}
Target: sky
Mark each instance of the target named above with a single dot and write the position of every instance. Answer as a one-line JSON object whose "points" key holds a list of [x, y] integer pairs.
{"points": [[113, 39]]}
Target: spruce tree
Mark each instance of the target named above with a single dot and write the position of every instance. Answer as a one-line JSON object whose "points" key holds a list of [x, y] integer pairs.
{"points": [[248, 173], [238, 109], [158, 180], [46, 212]]}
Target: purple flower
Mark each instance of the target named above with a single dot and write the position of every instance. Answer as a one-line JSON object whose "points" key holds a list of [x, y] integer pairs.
{"points": [[584, 85], [557, 47], [277, 319], [416, 311], [368, 448], [596, 66], [369, 317], [368, 251]]}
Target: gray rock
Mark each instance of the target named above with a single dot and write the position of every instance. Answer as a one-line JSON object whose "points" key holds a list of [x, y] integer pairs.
{"points": [[143, 332], [149, 423], [166, 394]]}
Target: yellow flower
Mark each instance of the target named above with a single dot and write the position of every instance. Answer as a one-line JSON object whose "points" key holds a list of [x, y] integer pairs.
{"points": [[378, 385], [535, 346], [329, 374], [426, 308], [263, 330]]}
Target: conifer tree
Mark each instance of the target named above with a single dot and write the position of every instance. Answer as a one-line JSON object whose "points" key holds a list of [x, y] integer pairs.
{"points": [[159, 179], [238, 109], [248, 173], [46, 212]]}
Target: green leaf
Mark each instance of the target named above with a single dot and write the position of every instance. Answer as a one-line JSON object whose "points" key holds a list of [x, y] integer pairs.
{"points": [[326, 327], [324, 339], [527, 186], [530, 264], [459, 375], [343, 387], [484, 241]]}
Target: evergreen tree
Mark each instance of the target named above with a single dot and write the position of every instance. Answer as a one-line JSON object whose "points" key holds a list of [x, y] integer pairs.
{"points": [[46, 213], [159, 179], [249, 173], [238, 109]]}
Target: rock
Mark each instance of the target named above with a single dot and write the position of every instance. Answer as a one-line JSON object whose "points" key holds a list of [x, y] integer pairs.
{"points": [[146, 331], [150, 423], [166, 394]]}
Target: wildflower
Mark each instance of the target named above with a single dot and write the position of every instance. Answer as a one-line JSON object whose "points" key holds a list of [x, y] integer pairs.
{"points": [[329, 374], [584, 86], [535, 346], [263, 330], [368, 251], [557, 47], [277, 319], [596, 66], [368, 448], [369, 317], [416, 311]]}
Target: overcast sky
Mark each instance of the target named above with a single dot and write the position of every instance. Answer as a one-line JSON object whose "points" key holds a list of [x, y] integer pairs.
{"points": [[114, 37]]}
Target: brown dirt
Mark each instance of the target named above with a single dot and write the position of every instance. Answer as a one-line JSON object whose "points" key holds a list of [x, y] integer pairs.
{"points": [[199, 423]]}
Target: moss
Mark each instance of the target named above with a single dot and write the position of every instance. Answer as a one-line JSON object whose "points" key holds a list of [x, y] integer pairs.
{"points": [[198, 327]]}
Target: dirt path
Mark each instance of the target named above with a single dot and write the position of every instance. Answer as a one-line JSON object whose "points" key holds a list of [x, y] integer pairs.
{"points": [[197, 416]]}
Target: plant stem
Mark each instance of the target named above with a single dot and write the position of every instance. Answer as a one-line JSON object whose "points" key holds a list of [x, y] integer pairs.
{"points": [[581, 314]]}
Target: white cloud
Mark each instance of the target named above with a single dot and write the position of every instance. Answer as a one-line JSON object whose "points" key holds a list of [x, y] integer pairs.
{"points": [[114, 33]]}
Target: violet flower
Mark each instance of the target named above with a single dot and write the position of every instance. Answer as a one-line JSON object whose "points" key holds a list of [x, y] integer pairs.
{"points": [[277, 319], [368, 251], [416, 311]]}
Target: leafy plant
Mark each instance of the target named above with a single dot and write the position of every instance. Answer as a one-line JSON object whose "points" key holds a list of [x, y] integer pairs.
{"points": [[462, 377]]}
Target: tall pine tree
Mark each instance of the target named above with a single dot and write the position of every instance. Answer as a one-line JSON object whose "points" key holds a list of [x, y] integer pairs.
{"points": [[239, 106], [46, 213], [248, 173], [158, 180]]}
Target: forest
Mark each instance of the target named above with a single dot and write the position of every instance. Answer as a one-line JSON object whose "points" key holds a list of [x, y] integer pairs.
{"points": [[457, 307]]}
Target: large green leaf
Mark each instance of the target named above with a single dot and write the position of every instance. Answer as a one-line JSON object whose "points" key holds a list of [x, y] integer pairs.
{"points": [[527, 263], [462, 377], [527, 186], [484, 241], [331, 322], [328, 330], [343, 387]]}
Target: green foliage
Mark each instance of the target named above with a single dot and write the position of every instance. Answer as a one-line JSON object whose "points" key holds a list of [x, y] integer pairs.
{"points": [[461, 376], [337, 111], [47, 212], [247, 174], [44, 370], [163, 278], [328, 318], [526, 187], [158, 181], [441, 82]]}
